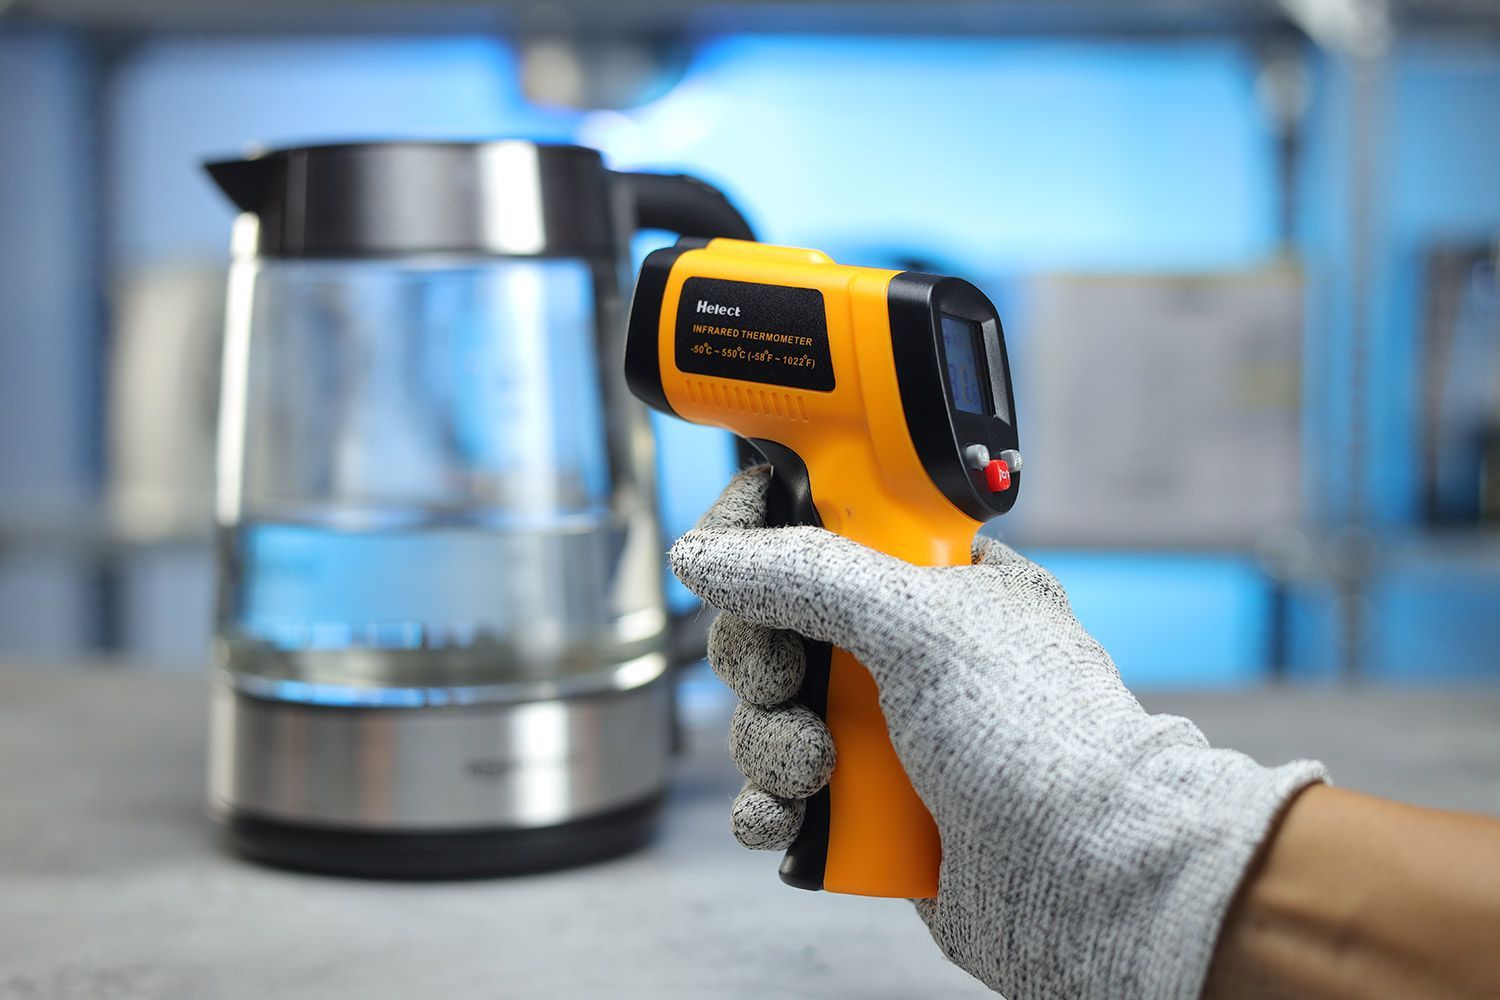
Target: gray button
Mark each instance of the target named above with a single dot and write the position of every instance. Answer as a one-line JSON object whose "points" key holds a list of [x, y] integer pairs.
{"points": [[1012, 459], [977, 455]]}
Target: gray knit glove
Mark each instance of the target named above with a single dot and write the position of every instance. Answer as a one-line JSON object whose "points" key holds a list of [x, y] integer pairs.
{"points": [[1090, 849]]}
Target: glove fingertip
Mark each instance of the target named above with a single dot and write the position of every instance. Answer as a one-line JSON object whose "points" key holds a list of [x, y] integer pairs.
{"points": [[760, 665], [761, 821], [800, 578], [786, 750]]}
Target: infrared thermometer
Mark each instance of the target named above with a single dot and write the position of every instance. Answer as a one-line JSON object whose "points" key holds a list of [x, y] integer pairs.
{"points": [[882, 400]]}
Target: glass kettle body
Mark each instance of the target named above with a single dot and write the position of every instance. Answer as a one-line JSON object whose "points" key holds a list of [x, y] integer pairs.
{"points": [[440, 600]]}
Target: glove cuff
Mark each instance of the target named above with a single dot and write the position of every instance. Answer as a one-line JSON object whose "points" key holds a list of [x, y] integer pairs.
{"points": [[1175, 946]]}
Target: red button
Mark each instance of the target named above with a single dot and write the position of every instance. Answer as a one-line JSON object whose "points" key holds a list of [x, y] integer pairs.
{"points": [[997, 476]]}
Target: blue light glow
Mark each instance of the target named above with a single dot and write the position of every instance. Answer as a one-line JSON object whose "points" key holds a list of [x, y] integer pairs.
{"points": [[352, 696], [1001, 153]]}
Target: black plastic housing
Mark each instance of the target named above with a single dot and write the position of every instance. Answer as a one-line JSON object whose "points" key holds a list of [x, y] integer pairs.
{"points": [[939, 430]]}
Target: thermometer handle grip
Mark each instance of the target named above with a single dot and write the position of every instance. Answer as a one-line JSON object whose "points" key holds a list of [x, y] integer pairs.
{"points": [[866, 832]]}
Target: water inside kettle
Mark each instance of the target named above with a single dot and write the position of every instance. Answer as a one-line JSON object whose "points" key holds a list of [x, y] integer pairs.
{"points": [[429, 601], [421, 492]]}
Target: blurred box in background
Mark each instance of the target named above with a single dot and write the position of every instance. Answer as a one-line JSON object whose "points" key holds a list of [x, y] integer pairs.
{"points": [[163, 400], [1164, 410], [1460, 401]]}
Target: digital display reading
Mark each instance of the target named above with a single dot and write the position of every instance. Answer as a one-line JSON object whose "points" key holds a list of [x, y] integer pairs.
{"points": [[967, 372]]}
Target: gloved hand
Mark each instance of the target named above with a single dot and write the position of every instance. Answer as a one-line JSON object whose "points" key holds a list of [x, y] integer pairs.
{"points": [[1090, 849]]}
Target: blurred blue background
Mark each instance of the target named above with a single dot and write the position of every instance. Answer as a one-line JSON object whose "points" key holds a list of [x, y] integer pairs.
{"points": [[1072, 164]]}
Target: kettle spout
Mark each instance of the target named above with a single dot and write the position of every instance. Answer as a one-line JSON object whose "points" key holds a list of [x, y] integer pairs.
{"points": [[244, 181]]}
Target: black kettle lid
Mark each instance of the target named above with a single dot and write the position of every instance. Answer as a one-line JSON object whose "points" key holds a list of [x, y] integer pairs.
{"points": [[508, 197]]}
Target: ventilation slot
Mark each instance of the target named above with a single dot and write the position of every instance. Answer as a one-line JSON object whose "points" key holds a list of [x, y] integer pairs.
{"points": [[748, 399]]}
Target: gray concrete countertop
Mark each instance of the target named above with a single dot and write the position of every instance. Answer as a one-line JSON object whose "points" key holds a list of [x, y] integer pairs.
{"points": [[111, 884]]}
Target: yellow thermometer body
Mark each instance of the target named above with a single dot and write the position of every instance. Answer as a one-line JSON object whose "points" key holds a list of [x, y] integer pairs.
{"points": [[883, 401]]}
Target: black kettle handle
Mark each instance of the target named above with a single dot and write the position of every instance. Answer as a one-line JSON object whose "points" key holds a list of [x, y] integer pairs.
{"points": [[684, 205]]}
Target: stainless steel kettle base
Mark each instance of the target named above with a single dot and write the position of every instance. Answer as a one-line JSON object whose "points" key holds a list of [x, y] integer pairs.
{"points": [[441, 791], [440, 855]]}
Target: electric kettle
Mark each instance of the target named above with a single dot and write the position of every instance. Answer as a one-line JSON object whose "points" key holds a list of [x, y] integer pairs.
{"points": [[442, 643]]}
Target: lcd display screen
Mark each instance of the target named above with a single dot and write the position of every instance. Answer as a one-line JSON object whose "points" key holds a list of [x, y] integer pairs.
{"points": [[967, 373]]}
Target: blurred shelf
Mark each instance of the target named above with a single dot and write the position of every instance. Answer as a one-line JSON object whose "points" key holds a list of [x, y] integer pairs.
{"points": [[93, 535], [1149, 18], [1226, 549], [669, 17], [1455, 547]]}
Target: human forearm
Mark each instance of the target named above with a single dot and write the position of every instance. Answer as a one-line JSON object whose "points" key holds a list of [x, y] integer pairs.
{"points": [[1358, 896]]}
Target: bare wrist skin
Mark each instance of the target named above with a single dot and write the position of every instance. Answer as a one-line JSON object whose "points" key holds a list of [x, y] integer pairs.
{"points": [[1356, 896]]}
